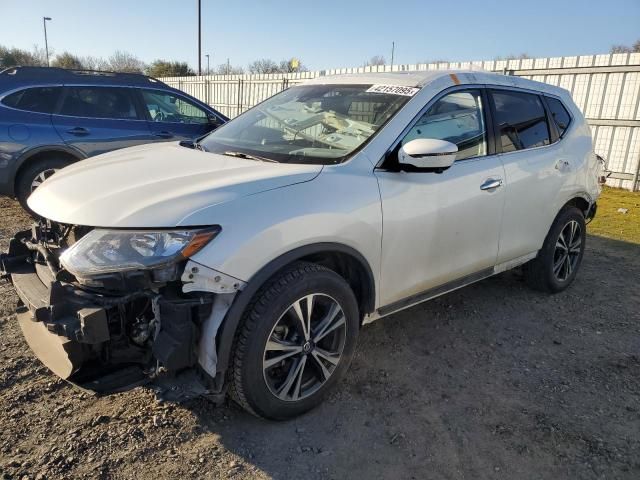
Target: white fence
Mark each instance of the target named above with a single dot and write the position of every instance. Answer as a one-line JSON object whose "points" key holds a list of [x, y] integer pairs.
{"points": [[605, 87]]}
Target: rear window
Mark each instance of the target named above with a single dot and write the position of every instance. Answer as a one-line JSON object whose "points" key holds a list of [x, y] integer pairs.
{"points": [[99, 102], [560, 114], [521, 120], [36, 99]]}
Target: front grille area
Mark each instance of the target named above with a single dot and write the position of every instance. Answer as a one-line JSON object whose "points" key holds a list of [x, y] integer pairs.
{"points": [[123, 327]]}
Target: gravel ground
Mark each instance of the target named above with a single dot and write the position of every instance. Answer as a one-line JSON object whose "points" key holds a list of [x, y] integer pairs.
{"points": [[492, 381]]}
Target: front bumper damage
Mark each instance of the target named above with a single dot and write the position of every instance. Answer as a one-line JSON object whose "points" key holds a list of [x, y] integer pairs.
{"points": [[126, 333]]}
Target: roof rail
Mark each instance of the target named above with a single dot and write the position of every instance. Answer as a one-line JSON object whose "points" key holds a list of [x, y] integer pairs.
{"points": [[62, 74]]}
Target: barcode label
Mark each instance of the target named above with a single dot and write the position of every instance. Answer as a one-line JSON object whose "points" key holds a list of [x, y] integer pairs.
{"points": [[394, 90]]}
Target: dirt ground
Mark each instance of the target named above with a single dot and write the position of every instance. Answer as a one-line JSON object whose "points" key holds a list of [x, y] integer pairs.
{"points": [[492, 381]]}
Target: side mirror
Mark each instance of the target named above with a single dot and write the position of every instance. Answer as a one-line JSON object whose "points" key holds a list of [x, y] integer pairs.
{"points": [[213, 120], [428, 153]]}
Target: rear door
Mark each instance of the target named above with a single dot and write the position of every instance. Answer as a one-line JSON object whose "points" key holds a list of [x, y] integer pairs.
{"points": [[535, 170], [97, 119], [171, 116]]}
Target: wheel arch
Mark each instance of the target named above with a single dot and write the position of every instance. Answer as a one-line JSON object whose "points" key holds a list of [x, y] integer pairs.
{"points": [[41, 153], [582, 201], [344, 260]]}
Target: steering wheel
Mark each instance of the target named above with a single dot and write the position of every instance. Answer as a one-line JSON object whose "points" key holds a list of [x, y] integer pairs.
{"points": [[160, 116]]}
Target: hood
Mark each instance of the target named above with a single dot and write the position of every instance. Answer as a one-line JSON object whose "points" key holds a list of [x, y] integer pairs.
{"points": [[156, 185]]}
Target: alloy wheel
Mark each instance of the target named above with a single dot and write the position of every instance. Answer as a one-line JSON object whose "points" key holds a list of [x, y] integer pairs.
{"points": [[567, 251], [41, 177], [304, 347]]}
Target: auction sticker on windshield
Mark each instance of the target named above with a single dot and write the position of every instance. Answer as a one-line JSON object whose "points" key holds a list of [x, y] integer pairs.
{"points": [[394, 90]]}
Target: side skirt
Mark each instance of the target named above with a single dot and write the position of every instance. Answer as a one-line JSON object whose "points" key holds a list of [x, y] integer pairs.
{"points": [[447, 287]]}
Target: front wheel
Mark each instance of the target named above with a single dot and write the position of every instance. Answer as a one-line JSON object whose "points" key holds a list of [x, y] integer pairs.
{"points": [[296, 341], [557, 263], [34, 175]]}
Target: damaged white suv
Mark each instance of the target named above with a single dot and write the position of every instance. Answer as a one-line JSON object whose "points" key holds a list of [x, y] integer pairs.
{"points": [[255, 255]]}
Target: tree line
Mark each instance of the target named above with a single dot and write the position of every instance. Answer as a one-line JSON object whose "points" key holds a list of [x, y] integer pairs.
{"points": [[122, 61], [127, 63]]}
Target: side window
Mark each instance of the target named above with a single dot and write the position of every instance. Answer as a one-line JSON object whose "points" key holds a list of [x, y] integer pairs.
{"points": [[37, 99], [166, 107], [521, 120], [559, 114], [457, 118], [99, 102]]}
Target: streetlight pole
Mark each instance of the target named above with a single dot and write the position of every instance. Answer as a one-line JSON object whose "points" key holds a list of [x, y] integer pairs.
{"points": [[199, 37], [393, 51], [46, 44]]}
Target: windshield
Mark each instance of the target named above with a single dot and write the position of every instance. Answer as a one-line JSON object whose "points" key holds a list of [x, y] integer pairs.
{"points": [[320, 124]]}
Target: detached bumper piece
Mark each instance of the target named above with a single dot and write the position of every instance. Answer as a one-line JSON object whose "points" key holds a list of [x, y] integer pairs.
{"points": [[104, 343]]}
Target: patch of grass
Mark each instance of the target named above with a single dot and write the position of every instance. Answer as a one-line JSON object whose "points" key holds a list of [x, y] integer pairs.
{"points": [[613, 224]]}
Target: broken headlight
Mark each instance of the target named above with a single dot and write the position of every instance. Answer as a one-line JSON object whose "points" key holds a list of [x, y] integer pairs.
{"points": [[105, 251]]}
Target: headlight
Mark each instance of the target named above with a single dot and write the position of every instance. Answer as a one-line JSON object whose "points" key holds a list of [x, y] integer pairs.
{"points": [[104, 251]]}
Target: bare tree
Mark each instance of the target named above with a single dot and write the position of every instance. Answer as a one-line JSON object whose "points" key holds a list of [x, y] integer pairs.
{"points": [[376, 60], [228, 69], [95, 63], [40, 55], [619, 49], [626, 49], [263, 65], [521, 56], [436, 61], [292, 65], [126, 62]]}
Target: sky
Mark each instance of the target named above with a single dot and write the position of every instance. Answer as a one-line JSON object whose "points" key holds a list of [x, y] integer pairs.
{"points": [[323, 33]]}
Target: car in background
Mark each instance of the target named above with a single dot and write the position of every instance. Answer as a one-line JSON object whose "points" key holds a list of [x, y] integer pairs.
{"points": [[52, 117]]}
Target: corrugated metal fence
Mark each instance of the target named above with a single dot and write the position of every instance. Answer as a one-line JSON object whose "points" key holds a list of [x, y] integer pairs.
{"points": [[605, 87]]}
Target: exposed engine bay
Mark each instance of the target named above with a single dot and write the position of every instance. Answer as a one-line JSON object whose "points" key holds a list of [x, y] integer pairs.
{"points": [[113, 330]]}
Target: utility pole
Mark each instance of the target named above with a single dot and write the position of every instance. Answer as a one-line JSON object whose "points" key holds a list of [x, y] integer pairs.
{"points": [[228, 67], [46, 44], [393, 51], [199, 37], [207, 55]]}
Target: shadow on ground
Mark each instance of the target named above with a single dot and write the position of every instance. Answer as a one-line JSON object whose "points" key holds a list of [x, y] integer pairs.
{"points": [[492, 381]]}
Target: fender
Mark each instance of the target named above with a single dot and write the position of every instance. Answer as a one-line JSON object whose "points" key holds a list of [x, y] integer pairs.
{"points": [[24, 157], [230, 324]]}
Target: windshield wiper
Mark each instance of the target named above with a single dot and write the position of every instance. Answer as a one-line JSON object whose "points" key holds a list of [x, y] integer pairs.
{"points": [[249, 157]]}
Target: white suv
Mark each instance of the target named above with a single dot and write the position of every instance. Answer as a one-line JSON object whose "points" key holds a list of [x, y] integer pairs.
{"points": [[255, 255]]}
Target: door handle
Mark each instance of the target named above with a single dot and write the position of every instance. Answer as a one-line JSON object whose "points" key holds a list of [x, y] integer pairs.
{"points": [[491, 184], [78, 131], [163, 134]]}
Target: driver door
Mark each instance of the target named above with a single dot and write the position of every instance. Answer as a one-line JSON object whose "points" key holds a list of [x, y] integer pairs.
{"points": [[441, 230], [172, 117]]}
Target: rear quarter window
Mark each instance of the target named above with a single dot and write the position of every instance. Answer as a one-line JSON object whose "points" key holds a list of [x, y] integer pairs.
{"points": [[560, 114], [36, 99]]}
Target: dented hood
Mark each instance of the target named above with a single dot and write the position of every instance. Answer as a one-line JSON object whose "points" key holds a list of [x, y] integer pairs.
{"points": [[156, 185]]}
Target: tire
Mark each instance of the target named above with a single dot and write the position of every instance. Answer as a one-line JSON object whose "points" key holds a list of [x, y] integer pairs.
{"points": [[555, 267], [259, 376], [24, 184]]}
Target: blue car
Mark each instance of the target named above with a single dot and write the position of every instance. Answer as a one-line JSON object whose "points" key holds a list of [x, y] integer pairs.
{"points": [[51, 117]]}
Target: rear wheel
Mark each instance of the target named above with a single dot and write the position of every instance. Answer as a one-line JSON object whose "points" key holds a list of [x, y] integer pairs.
{"points": [[557, 263], [33, 176], [296, 341]]}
